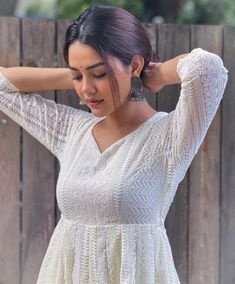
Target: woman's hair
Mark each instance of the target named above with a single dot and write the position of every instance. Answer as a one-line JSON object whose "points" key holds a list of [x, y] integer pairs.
{"points": [[111, 31]]}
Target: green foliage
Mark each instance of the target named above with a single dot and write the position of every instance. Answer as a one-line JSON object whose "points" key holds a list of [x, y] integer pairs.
{"points": [[42, 9], [214, 12], [71, 9], [205, 12]]}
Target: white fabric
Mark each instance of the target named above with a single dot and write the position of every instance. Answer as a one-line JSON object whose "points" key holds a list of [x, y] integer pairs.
{"points": [[114, 203]]}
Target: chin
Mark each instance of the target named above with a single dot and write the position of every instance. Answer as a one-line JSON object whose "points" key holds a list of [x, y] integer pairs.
{"points": [[97, 114]]}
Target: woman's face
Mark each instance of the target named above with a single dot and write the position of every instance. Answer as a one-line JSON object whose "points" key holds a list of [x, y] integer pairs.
{"points": [[90, 78]]}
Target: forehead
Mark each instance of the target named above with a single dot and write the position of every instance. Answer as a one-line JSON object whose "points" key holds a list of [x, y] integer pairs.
{"points": [[82, 55]]}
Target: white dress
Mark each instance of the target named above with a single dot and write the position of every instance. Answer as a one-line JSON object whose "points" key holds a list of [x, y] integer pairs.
{"points": [[113, 204]]}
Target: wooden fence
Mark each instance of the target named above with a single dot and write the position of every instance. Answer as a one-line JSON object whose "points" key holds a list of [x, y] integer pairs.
{"points": [[201, 220]]}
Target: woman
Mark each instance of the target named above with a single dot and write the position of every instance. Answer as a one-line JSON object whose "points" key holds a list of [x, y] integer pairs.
{"points": [[121, 163]]}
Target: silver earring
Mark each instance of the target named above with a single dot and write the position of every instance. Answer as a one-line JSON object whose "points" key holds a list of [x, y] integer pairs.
{"points": [[81, 102], [137, 90]]}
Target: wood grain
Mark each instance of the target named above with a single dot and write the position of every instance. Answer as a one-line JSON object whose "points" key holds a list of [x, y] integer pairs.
{"points": [[10, 205], [204, 198], [151, 31], [172, 41], [38, 219], [228, 164]]}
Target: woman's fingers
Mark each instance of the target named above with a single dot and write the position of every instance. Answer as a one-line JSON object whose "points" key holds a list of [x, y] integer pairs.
{"points": [[153, 65]]}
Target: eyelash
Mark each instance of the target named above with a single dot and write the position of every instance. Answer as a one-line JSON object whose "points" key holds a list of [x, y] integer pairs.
{"points": [[78, 78]]}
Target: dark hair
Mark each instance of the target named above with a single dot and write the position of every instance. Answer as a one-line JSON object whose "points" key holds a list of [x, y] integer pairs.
{"points": [[111, 31]]}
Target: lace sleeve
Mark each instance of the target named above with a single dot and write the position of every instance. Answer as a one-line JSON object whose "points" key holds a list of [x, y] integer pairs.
{"points": [[50, 123], [203, 80]]}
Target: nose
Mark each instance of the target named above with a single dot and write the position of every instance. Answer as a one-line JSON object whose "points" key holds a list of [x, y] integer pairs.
{"points": [[88, 87]]}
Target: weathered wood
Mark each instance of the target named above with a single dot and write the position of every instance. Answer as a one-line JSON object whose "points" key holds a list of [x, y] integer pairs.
{"points": [[38, 217], [172, 41], [61, 27], [228, 164], [9, 165], [151, 31], [204, 225]]}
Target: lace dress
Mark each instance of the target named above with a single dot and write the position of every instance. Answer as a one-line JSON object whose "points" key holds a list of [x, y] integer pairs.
{"points": [[114, 203]]}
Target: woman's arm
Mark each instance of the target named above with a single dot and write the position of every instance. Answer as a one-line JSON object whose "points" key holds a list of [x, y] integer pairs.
{"points": [[203, 80], [159, 75], [30, 79], [49, 122]]}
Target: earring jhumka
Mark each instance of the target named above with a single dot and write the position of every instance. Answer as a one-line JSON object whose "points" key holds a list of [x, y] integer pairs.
{"points": [[137, 90], [81, 102]]}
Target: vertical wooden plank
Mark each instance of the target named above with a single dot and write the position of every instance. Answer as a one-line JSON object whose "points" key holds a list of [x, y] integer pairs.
{"points": [[172, 41], [38, 163], [228, 164], [204, 236], [63, 96], [151, 30], [9, 165]]}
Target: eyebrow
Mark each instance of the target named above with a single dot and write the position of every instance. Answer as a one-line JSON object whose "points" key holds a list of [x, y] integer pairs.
{"points": [[88, 67]]}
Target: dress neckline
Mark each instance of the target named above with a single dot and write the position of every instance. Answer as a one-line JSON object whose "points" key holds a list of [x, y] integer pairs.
{"points": [[99, 119]]}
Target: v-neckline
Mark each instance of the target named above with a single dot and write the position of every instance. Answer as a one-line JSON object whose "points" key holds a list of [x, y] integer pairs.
{"points": [[99, 119]]}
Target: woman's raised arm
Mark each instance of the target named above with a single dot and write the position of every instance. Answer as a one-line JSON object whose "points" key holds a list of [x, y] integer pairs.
{"points": [[31, 79], [203, 79], [50, 123]]}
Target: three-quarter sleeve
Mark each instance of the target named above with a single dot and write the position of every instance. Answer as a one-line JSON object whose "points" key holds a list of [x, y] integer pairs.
{"points": [[203, 81], [47, 121]]}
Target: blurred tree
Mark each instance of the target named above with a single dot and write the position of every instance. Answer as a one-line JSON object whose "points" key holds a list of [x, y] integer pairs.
{"points": [[169, 9], [178, 11], [35, 8], [214, 12], [71, 9]]}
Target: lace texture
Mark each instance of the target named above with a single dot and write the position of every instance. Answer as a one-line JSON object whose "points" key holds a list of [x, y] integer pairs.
{"points": [[48, 122], [114, 203]]}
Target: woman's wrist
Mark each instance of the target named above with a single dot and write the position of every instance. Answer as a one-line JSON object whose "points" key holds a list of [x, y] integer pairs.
{"points": [[167, 71]]}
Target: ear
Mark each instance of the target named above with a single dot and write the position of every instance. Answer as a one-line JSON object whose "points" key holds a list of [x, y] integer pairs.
{"points": [[137, 64]]}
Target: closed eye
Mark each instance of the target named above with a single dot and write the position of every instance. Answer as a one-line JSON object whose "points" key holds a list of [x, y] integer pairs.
{"points": [[100, 76], [78, 78]]}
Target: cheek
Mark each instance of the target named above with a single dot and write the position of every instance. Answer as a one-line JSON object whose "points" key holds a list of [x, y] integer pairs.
{"points": [[104, 89], [77, 87], [124, 85]]}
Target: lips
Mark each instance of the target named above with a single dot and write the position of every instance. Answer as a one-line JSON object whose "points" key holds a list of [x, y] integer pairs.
{"points": [[94, 103]]}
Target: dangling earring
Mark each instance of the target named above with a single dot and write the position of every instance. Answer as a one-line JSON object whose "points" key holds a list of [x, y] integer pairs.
{"points": [[81, 102], [137, 90]]}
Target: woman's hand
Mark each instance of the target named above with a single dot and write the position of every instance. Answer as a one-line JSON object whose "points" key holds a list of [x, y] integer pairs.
{"points": [[158, 75], [151, 79]]}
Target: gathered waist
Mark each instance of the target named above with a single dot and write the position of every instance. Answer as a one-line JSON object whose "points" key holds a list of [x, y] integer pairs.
{"points": [[159, 224]]}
